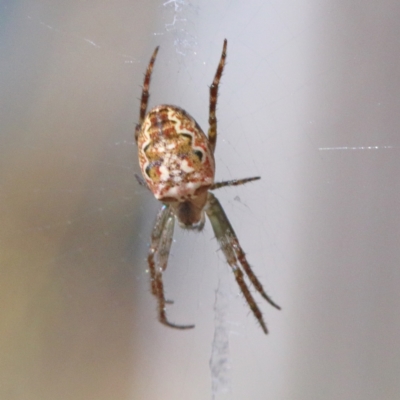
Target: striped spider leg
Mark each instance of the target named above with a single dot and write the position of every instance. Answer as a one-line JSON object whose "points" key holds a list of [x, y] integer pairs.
{"points": [[235, 256], [177, 163]]}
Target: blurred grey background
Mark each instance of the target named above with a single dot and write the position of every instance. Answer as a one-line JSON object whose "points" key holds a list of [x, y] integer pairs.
{"points": [[309, 100]]}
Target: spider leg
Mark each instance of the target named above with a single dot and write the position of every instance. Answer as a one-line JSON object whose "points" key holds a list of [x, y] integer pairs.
{"points": [[160, 245], [233, 182], [249, 272], [145, 92], [212, 119], [235, 256], [161, 240]]}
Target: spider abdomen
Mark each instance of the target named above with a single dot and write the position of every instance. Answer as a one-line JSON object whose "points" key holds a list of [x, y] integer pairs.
{"points": [[174, 155]]}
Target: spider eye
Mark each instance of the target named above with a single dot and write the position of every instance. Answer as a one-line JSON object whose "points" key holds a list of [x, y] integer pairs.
{"points": [[199, 154]]}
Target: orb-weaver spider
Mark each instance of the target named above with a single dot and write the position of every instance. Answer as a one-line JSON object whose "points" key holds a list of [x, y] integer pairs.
{"points": [[177, 163]]}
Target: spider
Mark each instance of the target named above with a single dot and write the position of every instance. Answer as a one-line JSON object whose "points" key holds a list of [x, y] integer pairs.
{"points": [[177, 163]]}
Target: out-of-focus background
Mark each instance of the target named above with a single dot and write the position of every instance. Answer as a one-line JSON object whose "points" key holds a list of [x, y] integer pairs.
{"points": [[309, 100]]}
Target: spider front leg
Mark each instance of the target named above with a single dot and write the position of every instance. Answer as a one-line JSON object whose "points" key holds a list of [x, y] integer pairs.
{"points": [[235, 256], [161, 240]]}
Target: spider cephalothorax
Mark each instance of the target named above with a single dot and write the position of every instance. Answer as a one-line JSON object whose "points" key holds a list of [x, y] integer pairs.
{"points": [[177, 163]]}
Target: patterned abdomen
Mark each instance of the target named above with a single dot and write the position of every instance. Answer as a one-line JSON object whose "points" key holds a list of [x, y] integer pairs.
{"points": [[174, 155]]}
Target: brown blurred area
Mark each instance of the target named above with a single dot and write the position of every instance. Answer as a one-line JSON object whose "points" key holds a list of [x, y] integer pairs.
{"points": [[69, 206]]}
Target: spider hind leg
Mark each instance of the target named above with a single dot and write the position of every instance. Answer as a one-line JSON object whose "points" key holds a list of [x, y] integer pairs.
{"points": [[161, 240], [145, 93], [235, 257], [212, 118]]}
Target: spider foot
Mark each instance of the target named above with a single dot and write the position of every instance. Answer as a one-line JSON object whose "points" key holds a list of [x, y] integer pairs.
{"points": [[270, 301], [176, 326], [263, 326]]}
